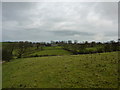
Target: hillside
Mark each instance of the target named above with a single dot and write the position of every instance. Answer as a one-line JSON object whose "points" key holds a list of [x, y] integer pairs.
{"points": [[73, 71], [55, 50]]}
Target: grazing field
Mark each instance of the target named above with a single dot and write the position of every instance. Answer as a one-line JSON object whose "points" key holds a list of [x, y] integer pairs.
{"points": [[48, 51], [57, 50], [73, 71]]}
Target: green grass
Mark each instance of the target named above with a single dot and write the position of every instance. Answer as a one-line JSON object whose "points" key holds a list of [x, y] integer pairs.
{"points": [[0, 75], [73, 71], [52, 48], [92, 48], [51, 51], [0, 65]]}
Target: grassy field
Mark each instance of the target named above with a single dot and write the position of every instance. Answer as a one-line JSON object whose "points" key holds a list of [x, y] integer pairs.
{"points": [[57, 50], [73, 71], [48, 51]]}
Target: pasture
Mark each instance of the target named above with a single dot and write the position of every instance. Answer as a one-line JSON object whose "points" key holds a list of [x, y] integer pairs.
{"points": [[70, 71], [46, 51], [57, 50]]}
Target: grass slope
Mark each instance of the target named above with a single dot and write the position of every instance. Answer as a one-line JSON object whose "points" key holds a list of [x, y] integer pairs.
{"points": [[57, 50], [73, 71]]}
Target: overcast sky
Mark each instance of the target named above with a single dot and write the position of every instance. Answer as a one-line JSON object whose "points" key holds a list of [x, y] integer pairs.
{"points": [[46, 21]]}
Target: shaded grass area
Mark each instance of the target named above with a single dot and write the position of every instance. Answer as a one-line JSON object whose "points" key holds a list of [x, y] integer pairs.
{"points": [[73, 71], [0, 44]]}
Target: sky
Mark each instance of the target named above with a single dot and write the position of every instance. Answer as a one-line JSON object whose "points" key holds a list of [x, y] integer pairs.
{"points": [[57, 21], [0, 21]]}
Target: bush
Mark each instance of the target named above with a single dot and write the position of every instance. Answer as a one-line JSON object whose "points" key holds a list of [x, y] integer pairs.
{"points": [[7, 50], [6, 54]]}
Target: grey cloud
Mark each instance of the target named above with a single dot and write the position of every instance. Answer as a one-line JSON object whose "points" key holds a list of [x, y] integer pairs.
{"points": [[16, 11], [109, 10], [110, 34], [51, 21], [71, 33], [0, 21]]}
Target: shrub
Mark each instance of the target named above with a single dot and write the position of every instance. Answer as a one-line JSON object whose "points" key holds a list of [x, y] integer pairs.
{"points": [[6, 54], [7, 50]]}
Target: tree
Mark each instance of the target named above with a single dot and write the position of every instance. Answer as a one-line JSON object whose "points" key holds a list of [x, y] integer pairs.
{"points": [[82, 48], [22, 48], [75, 41], [52, 42], [37, 45], [7, 51], [69, 42], [93, 44]]}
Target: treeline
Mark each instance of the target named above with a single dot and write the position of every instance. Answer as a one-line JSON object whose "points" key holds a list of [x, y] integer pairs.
{"points": [[92, 47], [18, 49]]}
